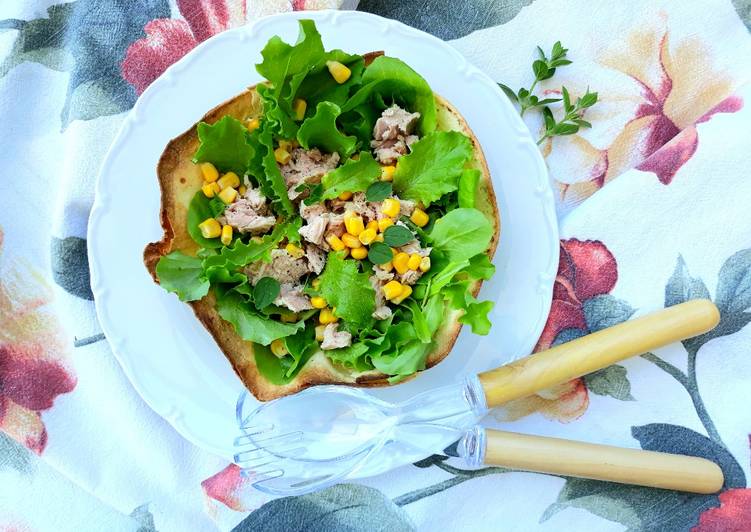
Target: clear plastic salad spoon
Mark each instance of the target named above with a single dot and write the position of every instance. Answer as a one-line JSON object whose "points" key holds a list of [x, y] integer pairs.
{"points": [[324, 434]]}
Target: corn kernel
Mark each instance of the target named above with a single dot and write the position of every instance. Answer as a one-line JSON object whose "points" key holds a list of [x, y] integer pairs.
{"points": [[372, 224], [299, 107], [335, 242], [210, 189], [210, 173], [319, 332], [294, 251], [346, 252], [242, 190], [318, 302], [228, 195], [379, 237], [278, 348], [425, 264], [326, 316], [290, 317], [368, 236], [414, 261], [353, 222], [281, 155], [256, 239], [400, 262], [210, 228], [253, 124], [316, 283], [388, 266], [338, 71], [226, 235], [390, 207], [351, 241], [384, 223], [229, 179], [387, 173], [405, 293], [419, 218], [344, 196], [359, 253], [391, 289]]}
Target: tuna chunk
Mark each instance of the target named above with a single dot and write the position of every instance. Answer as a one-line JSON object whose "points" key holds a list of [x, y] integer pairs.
{"points": [[309, 212], [335, 339], [394, 122], [406, 207], [316, 258], [410, 277], [388, 151], [307, 166], [413, 246], [381, 274], [245, 218], [283, 267], [291, 297], [314, 229], [257, 200], [382, 311], [368, 210]]}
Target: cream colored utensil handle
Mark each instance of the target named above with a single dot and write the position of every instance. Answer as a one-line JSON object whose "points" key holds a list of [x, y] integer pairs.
{"points": [[598, 350], [602, 462]]}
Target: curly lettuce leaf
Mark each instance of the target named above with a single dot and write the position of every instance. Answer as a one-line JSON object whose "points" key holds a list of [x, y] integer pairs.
{"points": [[476, 312], [354, 176], [461, 234], [319, 86], [320, 131], [250, 324], [433, 166], [344, 287], [199, 210], [408, 360], [277, 114], [225, 145], [243, 253], [183, 275], [468, 181], [388, 79], [353, 357]]}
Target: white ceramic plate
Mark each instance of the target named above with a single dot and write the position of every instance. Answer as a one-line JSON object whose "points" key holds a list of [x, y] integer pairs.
{"points": [[168, 356]]}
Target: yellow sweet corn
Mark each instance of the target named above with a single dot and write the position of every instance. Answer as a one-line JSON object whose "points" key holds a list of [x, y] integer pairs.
{"points": [[346, 252], [351, 241], [316, 283], [256, 239], [359, 253], [353, 222], [281, 155], [253, 124], [338, 71], [390, 207], [228, 195], [384, 223], [391, 289], [210, 228], [318, 302], [294, 251], [210, 189], [326, 316], [278, 348], [372, 224], [414, 261], [405, 293], [290, 317], [344, 196], [319, 332], [387, 267], [335, 242], [229, 179], [379, 237], [419, 218], [425, 264], [367, 236], [226, 235], [299, 107], [400, 262], [242, 190], [387, 173], [210, 173]]}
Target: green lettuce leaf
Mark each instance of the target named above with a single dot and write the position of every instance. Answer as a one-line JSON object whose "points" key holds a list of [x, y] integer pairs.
{"points": [[198, 211], [476, 316], [480, 267], [320, 86], [462, 234], [388, 79], [410, 359], [225, 145], [320, 131], [426, 320], [345, 288], [352, 357], [279, 199], [277, 114], [433, 166], [243, 253], [183, 275], [249, 324], [468, 181], [301, 346], [353, 176], [360, 122]]}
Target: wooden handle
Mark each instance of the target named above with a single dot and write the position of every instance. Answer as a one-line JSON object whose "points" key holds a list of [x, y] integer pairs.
{"points": [[598, 350], [602, 462]]}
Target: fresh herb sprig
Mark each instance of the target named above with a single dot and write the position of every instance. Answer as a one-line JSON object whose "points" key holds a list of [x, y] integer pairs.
{"points": [[544, 68]]}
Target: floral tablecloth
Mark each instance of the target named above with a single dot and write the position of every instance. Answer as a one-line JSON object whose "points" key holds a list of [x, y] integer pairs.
{"points": [[653, 203]]}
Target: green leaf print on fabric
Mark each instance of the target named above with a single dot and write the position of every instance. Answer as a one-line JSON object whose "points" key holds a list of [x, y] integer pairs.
{"points": [[87, 38], [14, 455], [681, 286], [601, 312], [610, 381], [70, 266], [143, 516], [348, 507], [648, 509]]}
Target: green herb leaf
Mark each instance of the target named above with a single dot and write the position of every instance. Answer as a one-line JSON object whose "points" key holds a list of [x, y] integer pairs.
{"points": [[217, 206], [433, 166], [541, 70], [321, 131], [183, 275], [199, 210], [225, 145], [265, 292], [379, 191], [508, 91], [354, 176], [250, 325], [379, 253], [468, 182], [397, 235], [566, 99], [345, 288], [462, 234]]}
